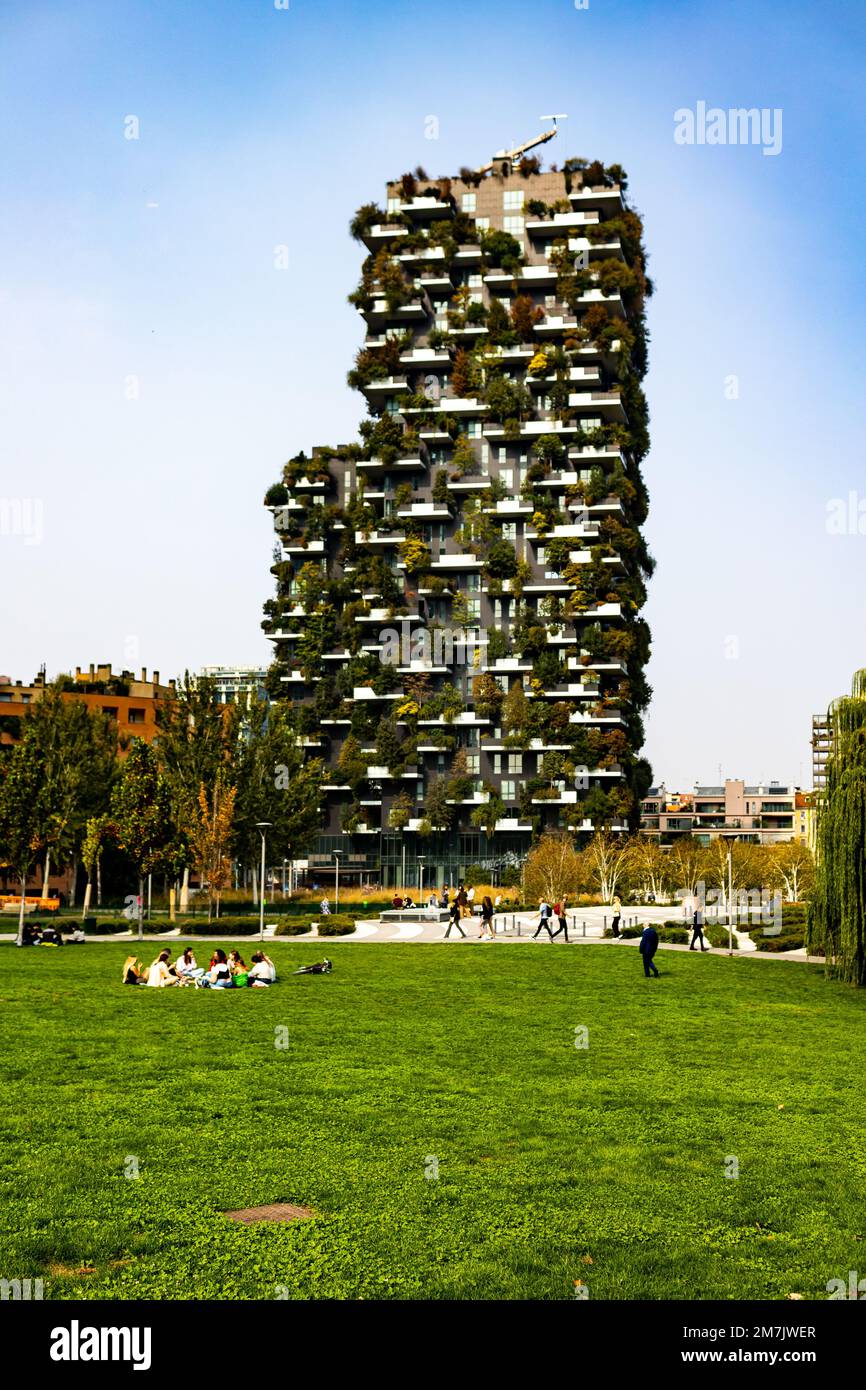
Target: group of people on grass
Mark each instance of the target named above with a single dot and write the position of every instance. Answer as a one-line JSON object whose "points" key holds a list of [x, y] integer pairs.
{"points": [[224, 971]]}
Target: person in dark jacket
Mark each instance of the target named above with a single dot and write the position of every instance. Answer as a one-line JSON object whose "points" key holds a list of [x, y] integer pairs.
{"points": [[649, 944], [698, 930], [454, 919]]}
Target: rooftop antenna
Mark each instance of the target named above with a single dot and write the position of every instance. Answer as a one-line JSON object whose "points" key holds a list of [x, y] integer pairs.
{"points": [[512, 155]]}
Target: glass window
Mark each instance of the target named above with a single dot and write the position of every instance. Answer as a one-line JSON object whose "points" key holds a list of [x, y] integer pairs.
{"points": [[512, 198], [515, 762], [508, 791], [514, 225], [483, 224], [506, 476], [467, 202], [393, 204]]}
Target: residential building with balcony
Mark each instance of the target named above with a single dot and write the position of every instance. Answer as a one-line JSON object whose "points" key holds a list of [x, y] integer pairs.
{"points": [[457, 617], [754, 814], [237, 683], [130, 700]]}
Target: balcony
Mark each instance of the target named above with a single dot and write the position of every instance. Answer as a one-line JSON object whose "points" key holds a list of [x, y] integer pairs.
{"points": [[560, 223], [608, 403], [383, 234], [428, 511], [379, 537], [385, 385], [426, 209], [299, 546], [450, 563], [608, 199]]}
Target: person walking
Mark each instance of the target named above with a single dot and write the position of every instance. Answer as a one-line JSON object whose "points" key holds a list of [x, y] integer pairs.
{"points": [[454, 920], [698, 929], [649, 944], [559, 914], [617, 914], [486, 920], [462, 901], [544, 915]]}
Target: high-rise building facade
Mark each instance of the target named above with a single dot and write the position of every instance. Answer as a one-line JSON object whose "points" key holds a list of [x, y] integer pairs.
{"points": [[457, 616]]}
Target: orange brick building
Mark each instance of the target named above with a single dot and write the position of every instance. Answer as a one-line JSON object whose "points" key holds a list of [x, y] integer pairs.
{"points": [[132, 702]]}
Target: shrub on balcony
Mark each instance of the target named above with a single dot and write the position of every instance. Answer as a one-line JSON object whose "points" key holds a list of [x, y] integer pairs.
{"points": [[487, 696], [415, 554], [501, 251], [524, 315], [498, 646], [501, 561], [368, 215]]}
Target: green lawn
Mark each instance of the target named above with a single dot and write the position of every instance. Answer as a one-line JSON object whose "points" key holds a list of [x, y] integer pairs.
{"points": [[555, 1164]]}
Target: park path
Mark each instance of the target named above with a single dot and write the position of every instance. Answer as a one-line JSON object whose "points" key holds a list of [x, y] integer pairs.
{"points": [[585, 926]]}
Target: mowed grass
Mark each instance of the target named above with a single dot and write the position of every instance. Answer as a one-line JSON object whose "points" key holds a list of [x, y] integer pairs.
{"points": [[556, 1164]]}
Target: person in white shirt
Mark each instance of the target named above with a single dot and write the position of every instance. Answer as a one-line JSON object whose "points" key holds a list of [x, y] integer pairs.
{"points": [[187, 965], [262, 971], [160, 976]]}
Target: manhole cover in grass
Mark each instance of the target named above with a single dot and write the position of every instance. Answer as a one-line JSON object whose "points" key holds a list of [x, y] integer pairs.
{"points": [[280, 1211]]}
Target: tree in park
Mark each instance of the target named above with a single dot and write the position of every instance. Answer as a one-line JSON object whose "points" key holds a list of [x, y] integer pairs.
{"points": [[79, 756], [194, 744], [791, 868], [436, 809], [650, 866], [606, 857], [211, 840], [20, 811], [553, 870], [92, 846], [141, 813], [275, 784], [837, 911]]}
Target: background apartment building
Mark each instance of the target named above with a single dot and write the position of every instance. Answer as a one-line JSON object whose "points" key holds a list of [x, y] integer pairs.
{"points": [[496, 493], [735, 811], [131, 701]]}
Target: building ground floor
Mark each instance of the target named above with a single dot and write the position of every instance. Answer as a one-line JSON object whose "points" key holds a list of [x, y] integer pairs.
{"points": [[393, 860]]}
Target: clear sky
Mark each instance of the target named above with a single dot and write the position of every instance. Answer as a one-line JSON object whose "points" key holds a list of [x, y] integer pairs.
{"points": [[156, 369]]}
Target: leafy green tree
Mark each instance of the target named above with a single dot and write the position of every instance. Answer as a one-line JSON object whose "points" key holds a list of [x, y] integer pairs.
{"points": [[195, 742], [141, 814], [79, 755], [275, 783], [22, 774]]}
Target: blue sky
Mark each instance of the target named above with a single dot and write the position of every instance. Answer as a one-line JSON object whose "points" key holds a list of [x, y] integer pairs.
{"points": [[148, 266]]}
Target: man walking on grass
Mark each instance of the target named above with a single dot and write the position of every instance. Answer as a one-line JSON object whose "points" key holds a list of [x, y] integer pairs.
{"points": [[649, 944]]}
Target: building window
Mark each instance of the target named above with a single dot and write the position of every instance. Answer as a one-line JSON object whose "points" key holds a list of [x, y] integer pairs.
{"points": [[467, 202], [512, 198], [509, 792], [110, 710], [506, 477], [515, 762], [514, 225], [393, 204], [497, 763], [135, 716], [483, 224], [473, 763]]}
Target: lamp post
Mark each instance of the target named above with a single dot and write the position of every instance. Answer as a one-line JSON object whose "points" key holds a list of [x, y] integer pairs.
{"points": [[421, 859], [284, 878], [336, 853], [262, 826]]}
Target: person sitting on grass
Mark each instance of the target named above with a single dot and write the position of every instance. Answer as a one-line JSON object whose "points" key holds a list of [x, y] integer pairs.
{"points": [[219, 976], [162, 973], [238, 967], [76, 936], [262, 972], [187, 966]]}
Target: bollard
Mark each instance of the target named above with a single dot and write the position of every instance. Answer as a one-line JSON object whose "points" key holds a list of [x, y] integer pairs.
{"points": [[584, 927]]}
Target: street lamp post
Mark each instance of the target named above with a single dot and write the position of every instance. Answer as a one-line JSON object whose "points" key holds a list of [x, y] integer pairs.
{"points": [[284, 878], [262, 826], [336, 853], [730, 906], [421, 858]]}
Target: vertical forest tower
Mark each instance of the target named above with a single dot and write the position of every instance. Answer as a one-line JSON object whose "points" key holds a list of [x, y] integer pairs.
{"points": [[457, 617]]}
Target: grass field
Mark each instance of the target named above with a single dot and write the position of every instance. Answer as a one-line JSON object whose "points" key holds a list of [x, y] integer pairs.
{"points": [[555, 1164]]}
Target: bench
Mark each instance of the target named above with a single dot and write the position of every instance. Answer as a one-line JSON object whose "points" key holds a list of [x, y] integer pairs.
{"points": [[414, 914]]}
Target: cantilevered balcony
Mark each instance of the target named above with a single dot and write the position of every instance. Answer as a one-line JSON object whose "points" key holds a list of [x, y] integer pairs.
{"points": [[426, 209], [382, 234], [425, 511], [383, 538], [561, 223], [607, 199]]}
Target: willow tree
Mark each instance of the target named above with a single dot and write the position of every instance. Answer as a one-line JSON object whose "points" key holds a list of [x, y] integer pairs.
{"points": [[837, 914]]}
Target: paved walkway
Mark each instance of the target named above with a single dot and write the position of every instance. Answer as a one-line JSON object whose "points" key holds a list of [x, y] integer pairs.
{"points": [[585, 925]]}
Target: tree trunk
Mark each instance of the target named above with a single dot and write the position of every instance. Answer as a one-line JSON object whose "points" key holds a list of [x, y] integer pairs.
{"points": [[20, 941], [87, 892], [184, 891], [73, 892], [140, 908], [255, 877], [99, 880], [46, 873]]}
